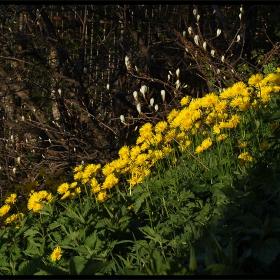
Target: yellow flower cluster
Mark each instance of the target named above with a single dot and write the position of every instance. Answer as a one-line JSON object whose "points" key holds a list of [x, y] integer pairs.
{"points": [[36, 200], [14, 219], [245, 156], [153, 143], [219, 112]]}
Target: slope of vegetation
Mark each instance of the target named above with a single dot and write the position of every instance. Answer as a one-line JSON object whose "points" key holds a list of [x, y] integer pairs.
{"points": [[198, 193]]}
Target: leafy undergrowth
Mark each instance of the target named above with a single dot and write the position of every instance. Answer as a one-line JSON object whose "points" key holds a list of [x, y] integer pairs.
{"points": [[197, 194]]}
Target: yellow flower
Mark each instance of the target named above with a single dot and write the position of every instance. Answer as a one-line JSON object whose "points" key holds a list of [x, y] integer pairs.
{"points": [[198, 150], [221, 106], [167, 150], [242, 144], [110, 181], [236, 101], [140, 160], [130, 207], [135, 179], [78, 168], [238, 88], [245, 156], [78, 190], [4, 209], [145, 146], [94, 183], [33, 202], [11, 199], [195, 104], [73, 185], [108, 169], [101, 196], [95, 189], [85, 177], [42, 194], [244, 106], [221, 137], [63, 188], [56, 254], [210, 99], [227, 94], [255, 79], [49, 197], [185, 100], [235, 120], [78, 175], [92, 168], [37, 207], [158, 154], [174, 113], [169, 136], [264, 145], [124, 152], [160, 126], [206, 143], [65, 195], [216, 129], [135, 151], [146, 130], [73, 195]]}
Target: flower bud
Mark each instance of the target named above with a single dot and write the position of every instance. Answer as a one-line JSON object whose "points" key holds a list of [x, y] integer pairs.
{"points": [[135, 95], [156, 107], [143, 90], [178, 72], [212, 53], [138, 107], [190, 30], [122, 119], [204, 45], [152, 101], [196, 39], [219, 31], [163, 95]]}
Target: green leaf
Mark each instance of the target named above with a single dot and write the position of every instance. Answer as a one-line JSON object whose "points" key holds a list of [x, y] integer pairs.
{"points": [[54, 225], [3, 248], [81, 249], [220, 252], [193, 262], [77, 264], [231, 253], [208, 257], [149, 232], [91, 240], [31, 232], [250, 220], [93, 267], [275, 116], [52, 270], [138, 203], [220, 269], [266, 250], [156, 266], [28, 267]]}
